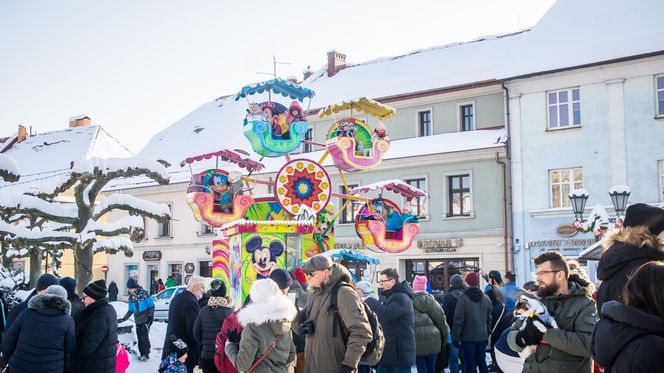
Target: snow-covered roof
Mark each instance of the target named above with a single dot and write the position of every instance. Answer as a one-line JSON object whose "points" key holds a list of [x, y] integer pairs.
{"points": [[572, 33], [44, 155]]}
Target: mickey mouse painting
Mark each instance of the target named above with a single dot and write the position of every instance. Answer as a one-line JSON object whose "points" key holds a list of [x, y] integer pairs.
{"points": [[264, 258]]}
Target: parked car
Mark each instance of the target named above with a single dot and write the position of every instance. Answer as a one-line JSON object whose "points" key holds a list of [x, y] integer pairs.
{"points": [[162, 300]]}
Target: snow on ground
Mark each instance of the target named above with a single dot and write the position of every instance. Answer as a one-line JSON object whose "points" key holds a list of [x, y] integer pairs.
{"points": [[157, 336]]}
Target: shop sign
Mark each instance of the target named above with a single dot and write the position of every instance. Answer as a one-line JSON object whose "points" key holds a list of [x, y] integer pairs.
{"points": [[440, 246], [558, 245], [152, 256], [350, 246], [566, 230]]}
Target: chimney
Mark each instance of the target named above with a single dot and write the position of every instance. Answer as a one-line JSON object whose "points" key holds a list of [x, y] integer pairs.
{"points": [[307, 73], [22, 134], [291, 79], [336, 61], [79, 121]]}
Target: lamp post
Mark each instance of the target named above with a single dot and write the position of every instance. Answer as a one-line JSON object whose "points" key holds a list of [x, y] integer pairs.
{"points": [[619, 196], [578, 199]]}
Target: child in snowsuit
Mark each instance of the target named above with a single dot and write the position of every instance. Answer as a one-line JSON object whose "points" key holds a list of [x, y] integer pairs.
{"points": [[174, 362]]}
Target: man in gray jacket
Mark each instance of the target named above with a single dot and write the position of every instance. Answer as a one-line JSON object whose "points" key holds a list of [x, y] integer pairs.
{"points": [[472, 325]]}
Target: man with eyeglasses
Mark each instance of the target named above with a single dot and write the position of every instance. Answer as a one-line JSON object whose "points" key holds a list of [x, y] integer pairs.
{"points": [[565, 349]]}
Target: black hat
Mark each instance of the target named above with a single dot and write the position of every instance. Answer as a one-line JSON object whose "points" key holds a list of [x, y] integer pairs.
{"points": [[179, 346], [132, 284], [282, 278], [496, 276], [96, 290], [46, 280], [69, 284], [217, 289], [317, 263], [640, 214]]}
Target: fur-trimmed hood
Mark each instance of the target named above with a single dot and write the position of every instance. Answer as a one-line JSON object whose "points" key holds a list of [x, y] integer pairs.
{"points": [[47, 303], [625, 245], [278, 311]]}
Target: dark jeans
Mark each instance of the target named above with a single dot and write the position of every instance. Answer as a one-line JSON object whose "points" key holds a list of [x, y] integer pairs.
{"points": [[474, 356], [208, 366], [143, 334], [426, 364], [393, 370]]}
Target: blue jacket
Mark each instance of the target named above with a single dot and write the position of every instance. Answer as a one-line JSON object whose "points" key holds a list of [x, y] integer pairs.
{"points": [[509, 293], [171, 364], [41, 337], [140, 304]]}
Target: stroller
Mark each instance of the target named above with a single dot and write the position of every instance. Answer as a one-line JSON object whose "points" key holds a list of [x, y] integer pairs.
{"points": [[127, 337]]}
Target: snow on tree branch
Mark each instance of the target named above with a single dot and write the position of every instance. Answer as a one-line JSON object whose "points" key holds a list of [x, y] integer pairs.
{"points": [[124, 225], [8, 169], [157, 211], [122, 167], [39, 236], [114, 245], [27, 204]]}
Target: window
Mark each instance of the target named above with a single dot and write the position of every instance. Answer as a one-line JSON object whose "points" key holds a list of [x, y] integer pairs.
{"points": [[418, 205], [164, 229], [438, 272], [348, 214], [659, 82], [467, 116], [562, 182], [131, 271], [424, 123], [165, 294], [460, 202], [564, 108], [309, 136], [175, 271], [661, 180], [206, 229], [205, 268]]}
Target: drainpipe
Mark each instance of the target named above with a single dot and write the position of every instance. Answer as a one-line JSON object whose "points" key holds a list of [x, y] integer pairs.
{"points": [[508, 175], [504, 194]]}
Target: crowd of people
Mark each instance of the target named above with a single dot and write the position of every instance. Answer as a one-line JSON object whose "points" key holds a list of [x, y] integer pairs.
{"points": [[317, 319]]}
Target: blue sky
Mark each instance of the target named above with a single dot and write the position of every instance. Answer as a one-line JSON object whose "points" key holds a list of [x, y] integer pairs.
{"points": [[136, 67]]}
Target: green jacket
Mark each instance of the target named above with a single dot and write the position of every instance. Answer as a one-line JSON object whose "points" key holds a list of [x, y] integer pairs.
{"points": [[566, 349], [430, 326], [324, 352], [263, 322]]}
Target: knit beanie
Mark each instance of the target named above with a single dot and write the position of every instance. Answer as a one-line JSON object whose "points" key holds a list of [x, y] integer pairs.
{"points": [[69, 284], [420, 283], [56, 290], [456, 280], [300, 277], [132, 284], [46, 280], [217, 289], [96, 290], [640, 214], [282, 278], [261, 290], [472, 279], [180, 346]]}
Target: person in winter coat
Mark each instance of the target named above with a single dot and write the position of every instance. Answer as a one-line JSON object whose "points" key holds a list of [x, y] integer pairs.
{"points": [[160, 286], [77, 305], [449, 302], [430, 327], [113, 292], [170, 282], [325, 350], [96, 332], [298, 296], [182, 314], [472, 325], [41, 338], [209, 322], [43, 282], [174, 362], [510, 291], [397, 317], [566, 348], [628, 248], [630, 336], [233, 328], [501, 319], [266, 343], [141, 305]]}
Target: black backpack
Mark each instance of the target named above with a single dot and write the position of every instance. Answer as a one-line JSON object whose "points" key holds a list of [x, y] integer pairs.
{"points": [[375, 347]]}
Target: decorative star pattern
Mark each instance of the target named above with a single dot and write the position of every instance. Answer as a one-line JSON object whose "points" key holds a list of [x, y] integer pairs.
{"points": [[302, 183]]}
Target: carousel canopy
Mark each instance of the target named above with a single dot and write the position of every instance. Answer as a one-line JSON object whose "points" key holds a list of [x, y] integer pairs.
{"points": [[227, 156], [396, 186], [364, 105], [279, 86], [351, 256]]}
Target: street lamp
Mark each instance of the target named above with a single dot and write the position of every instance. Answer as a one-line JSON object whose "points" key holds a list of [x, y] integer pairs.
{"points": [[619, 195], [578, 199]]}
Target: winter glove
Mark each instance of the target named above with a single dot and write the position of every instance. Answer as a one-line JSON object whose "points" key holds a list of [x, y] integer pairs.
{"points": [[533, 332], [346, 369], [233, 336]]}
